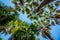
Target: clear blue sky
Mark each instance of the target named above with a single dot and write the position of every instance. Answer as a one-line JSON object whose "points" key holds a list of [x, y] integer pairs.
{"points": [[55, 31]]}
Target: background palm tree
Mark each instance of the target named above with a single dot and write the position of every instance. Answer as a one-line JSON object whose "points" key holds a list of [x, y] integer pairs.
{"points": [[20, 30]]}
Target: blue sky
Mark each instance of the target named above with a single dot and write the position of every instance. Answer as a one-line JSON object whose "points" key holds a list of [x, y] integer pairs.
{"points": [[55, 30]]}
